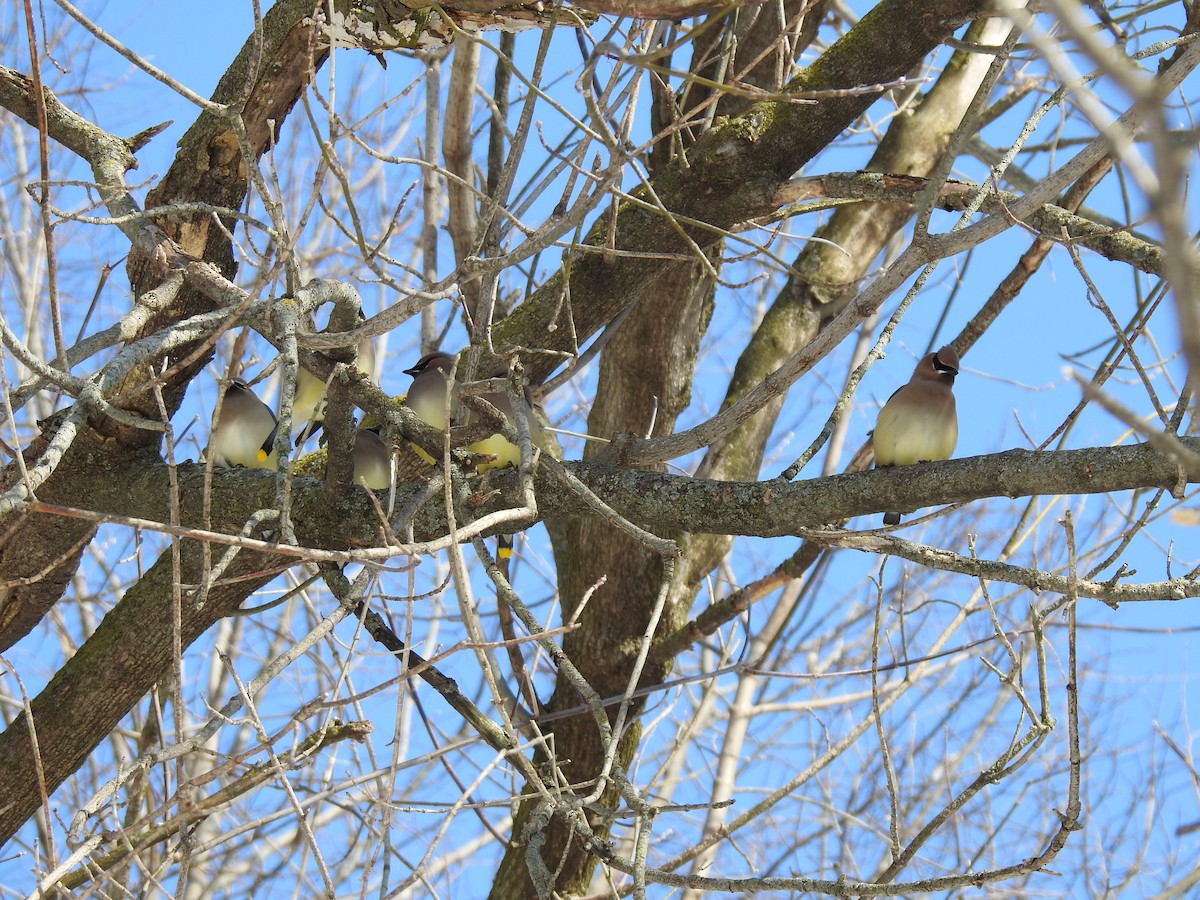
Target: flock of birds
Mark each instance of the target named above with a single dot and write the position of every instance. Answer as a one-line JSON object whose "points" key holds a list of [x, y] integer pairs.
{"points": [[246, 427], [917, 424]]}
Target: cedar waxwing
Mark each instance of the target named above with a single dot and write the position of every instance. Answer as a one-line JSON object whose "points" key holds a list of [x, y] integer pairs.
{"points": [[427, 395], [427, 398], [372, 461], [245, 432], [918, 423], [309, 403], [503, 451]]}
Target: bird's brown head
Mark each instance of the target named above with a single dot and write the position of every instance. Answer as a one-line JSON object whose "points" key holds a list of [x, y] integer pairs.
{"points": [[438, 361], [941, 365]]}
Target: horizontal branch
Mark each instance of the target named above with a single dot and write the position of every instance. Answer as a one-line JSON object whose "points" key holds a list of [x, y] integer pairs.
{"points": [[1037, 580], [666, 503], [775, 508], [1049, 221]]}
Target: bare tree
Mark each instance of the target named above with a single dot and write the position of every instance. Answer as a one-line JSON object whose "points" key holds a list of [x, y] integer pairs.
{"points": [[691, 230]]}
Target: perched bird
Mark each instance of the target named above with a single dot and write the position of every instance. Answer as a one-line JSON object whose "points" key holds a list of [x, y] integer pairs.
{"points": [[309, 403], [918, 423], [503, 451], [372, 460], [245, 431], [427, 396]]}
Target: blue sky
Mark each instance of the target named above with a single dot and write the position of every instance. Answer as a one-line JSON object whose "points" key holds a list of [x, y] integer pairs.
{"points": [[1015, 378]]}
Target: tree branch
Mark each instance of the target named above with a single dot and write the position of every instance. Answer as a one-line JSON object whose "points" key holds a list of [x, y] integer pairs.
{"points": [[1049, 221]]}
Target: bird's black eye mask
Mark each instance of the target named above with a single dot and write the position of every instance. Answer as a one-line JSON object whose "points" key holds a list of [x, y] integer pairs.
{"points": [[944, 369]]}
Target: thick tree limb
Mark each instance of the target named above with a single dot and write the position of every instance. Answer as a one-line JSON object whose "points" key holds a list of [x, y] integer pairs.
{"points": [[663, 503], [666, 503]]}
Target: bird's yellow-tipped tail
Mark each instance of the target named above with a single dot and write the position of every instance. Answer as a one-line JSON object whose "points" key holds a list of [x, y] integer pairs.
{"points": [[504, 546]]}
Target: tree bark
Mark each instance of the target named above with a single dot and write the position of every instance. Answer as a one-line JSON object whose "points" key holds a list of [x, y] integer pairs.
{"points": [[726, 170]]}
